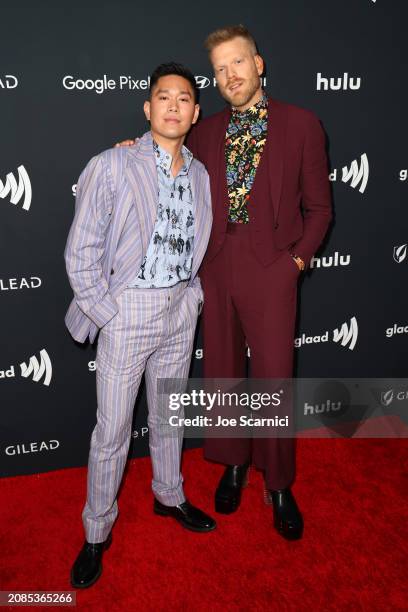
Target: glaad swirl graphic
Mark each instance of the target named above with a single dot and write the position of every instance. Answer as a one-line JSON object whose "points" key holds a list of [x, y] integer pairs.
{"points": [[38, 369], [17, 190]]}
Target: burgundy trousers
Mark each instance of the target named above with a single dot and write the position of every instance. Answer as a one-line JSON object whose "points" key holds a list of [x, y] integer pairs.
{"points": [[248, 303]]}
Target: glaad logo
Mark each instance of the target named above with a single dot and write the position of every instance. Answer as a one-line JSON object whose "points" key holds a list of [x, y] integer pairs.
{"points": [[15, 190], [32, 447], [202, 82], [330, 262], [400, 253], [396, 329], [38, 369], [347, 335], [356, 175], [345, 82], [8, 81]]}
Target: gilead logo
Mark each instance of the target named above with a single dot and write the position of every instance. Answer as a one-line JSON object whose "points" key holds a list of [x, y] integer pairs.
{"points": [[12, 284], [16, 190], [387, 397], [32, 447], [400, 253], [8, 81], [356, 175]]}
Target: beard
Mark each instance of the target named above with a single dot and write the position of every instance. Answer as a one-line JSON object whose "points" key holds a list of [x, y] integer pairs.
{"points": [[245, 93]]}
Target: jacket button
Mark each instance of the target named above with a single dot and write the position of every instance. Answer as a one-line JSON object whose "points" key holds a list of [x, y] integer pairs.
{"points": [[112, 271], [276, 225]]}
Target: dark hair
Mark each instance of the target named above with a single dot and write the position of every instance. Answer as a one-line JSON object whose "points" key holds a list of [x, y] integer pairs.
{"points": [[179, 70]]}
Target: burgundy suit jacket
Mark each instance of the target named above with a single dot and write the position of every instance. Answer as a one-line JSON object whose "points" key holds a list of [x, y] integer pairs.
{"points": [[290, 203]]}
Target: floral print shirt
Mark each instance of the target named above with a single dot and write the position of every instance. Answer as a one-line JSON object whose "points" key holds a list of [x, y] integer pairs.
{"points": [[244, 142]]}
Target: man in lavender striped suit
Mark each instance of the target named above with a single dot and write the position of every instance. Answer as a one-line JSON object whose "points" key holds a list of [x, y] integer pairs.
{"points": [[140, 231]]}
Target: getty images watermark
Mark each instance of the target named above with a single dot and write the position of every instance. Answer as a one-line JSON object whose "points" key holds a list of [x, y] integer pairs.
{"points": [[302, 407], [223, 399]]}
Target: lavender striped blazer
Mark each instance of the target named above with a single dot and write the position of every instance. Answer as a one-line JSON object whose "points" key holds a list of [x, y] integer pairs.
{"points": [[115, 211]]}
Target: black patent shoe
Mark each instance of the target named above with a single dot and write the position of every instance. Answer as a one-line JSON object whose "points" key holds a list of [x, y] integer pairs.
{"points": [[187, 515], [228, 493], [88, 565], [287, 518]]}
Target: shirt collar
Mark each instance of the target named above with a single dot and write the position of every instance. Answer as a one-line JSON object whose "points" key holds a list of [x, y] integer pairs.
{"points": [[164, 159], [253, 110]]}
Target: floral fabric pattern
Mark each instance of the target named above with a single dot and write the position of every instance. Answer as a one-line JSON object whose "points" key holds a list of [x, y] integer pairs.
{"points": [[244, 142]]}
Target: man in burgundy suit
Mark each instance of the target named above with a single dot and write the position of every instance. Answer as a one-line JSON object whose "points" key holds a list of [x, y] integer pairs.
{"points": [[271, 209]]}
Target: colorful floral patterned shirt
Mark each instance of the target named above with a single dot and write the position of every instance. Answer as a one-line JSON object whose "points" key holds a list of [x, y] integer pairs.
{"points": [[244, 142]]}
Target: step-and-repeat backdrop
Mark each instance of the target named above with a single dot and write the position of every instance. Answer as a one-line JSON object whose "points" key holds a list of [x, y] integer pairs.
{"points": [[73, 79]]}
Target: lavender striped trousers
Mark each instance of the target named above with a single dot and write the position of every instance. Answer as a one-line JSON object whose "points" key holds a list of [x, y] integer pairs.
{"points": [[153, 332]]}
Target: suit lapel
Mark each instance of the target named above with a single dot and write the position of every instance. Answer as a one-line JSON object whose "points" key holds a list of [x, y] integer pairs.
{"points": [[202, 220], [221, 169], [141, 173], [277, 126]]}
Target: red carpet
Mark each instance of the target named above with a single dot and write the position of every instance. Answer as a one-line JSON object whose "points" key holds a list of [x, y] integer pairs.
{"points": [[352, 555]]}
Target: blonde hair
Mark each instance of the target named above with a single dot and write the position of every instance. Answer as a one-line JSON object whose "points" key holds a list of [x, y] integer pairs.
{"points": [[228, 33]]}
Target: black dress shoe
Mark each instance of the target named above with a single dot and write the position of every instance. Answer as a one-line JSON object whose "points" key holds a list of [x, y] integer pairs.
{"points": [[88, 565], [228, 493], [187, 515], [287, 517]]}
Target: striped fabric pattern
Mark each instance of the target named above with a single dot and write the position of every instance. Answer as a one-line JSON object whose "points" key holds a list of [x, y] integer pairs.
{"points": [[141, 330], [115, 211], [153, 332]]}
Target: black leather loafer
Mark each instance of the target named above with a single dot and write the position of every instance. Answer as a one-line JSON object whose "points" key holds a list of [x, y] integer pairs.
{"points": [[187, 515], [88, 565], [287, 518], [228, 493]]}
